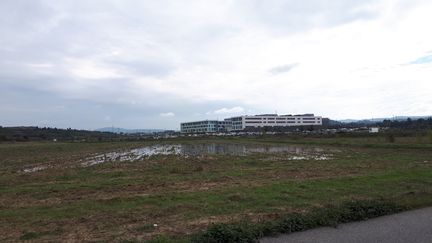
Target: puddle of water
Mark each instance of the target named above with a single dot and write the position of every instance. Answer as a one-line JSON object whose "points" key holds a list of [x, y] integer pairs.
{"points": [[34, 169], [290, 152], [134, 154], [302, 156]]}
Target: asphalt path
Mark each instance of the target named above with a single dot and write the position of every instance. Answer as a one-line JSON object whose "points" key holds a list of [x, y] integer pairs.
{"points": [[412, 226]]}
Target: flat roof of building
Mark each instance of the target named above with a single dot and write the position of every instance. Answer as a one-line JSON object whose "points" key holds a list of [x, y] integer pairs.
{"points": [[200, 121]]}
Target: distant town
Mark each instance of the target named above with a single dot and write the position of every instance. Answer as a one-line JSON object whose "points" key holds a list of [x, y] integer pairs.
{"points": [[247, 125]]}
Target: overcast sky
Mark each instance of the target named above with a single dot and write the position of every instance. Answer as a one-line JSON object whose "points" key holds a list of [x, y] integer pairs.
{"points": [[152, 64]]}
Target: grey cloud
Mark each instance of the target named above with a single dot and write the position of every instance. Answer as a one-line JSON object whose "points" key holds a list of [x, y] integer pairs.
{"points": [[146, 68], [283, 69], [27, 106], [23, 15]]}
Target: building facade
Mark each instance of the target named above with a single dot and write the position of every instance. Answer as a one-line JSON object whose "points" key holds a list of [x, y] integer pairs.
{"points": [[206, 126], [274, 120], [240, 123]]}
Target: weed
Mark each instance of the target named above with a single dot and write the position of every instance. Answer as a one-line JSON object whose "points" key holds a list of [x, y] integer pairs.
{"points": [[419, 137], [160, 239], [29, 236], [430, 136], [330, 216], [147, 228], [390, 138], [198, 169], [236, 197], [243, 232]]}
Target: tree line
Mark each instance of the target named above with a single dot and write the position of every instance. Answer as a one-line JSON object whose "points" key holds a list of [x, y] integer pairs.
{"points": [[22, 134]]}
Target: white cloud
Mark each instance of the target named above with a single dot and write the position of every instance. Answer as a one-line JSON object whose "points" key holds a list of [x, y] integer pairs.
{"points": [[167, 114], [87, 69], [233, 110]]}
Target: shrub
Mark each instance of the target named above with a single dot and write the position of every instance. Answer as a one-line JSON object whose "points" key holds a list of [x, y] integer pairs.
{"points": [[329, 216], [218, 233], [29, 236], [160, 239]]}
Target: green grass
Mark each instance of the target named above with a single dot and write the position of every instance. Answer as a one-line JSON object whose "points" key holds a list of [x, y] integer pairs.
{"points": [[122, 201], [265, 198]]}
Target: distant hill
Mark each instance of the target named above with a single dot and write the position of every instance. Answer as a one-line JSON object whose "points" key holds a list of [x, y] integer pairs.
{"points": [[32, 133], [128, 131], [375, 120]]}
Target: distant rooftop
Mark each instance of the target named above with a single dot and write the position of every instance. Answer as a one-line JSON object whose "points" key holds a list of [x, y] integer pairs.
{"points": [[308, 114], [267, 115], [305, 115]]}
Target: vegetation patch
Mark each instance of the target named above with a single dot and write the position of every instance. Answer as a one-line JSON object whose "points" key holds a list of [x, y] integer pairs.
{"points": [[117, 201], [29, 236], [329, 216]]}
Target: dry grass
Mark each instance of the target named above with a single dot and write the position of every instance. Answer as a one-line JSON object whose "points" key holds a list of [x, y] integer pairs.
{"points": [[122, 201]]}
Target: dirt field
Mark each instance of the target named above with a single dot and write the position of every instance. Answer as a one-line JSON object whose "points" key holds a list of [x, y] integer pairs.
{"points": [[49, 192]]}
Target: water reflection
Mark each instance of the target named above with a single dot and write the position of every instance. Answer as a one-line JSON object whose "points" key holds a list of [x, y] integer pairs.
{"points": [[290, 152], [34, 169]]}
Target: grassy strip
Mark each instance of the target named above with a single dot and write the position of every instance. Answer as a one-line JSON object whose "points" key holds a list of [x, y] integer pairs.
{"points": [[264, 198], [330, 216]]}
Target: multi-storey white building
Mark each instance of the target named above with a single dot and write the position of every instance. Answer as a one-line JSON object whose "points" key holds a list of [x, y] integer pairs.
{"points": [[244, 122], [273, 120]]}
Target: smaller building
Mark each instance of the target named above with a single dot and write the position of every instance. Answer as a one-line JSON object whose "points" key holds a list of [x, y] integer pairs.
{"points": [[373, 129], [206, 126]]}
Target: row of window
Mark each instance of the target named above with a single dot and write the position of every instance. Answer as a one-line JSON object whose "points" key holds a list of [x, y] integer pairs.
{"points": [[281, 122], [279, 118]]}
